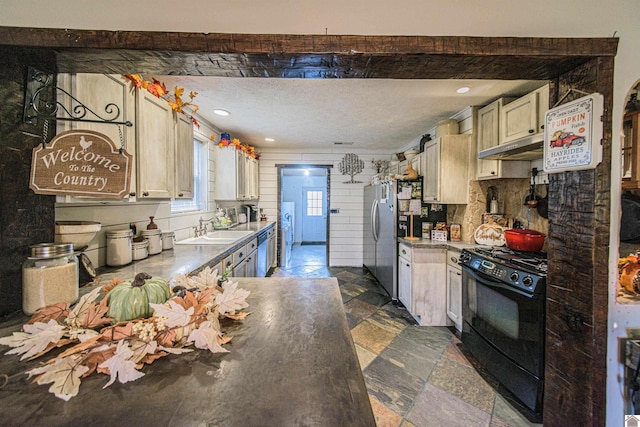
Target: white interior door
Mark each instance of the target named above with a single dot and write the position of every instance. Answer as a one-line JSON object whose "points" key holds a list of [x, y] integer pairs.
{"points": [[314, 214]]}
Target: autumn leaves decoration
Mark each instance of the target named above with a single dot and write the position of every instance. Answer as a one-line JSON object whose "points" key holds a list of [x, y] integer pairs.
{"points": [[99, 344]]}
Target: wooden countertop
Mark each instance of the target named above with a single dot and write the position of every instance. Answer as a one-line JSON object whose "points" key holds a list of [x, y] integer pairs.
{"points": [[291, 362]]}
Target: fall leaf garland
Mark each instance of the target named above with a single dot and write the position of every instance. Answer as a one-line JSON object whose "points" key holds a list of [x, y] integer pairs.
{"points": [[189, 318], [227, 141], [159, 90]]}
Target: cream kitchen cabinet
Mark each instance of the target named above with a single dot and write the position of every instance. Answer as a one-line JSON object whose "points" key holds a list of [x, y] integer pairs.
{"points": [[404, 276], [155, 148], [524, 116], [183, 177], [488, 135], [454, 289], [97, 91], [416, 164], [422, 284], [236, 175], [444, 169]]}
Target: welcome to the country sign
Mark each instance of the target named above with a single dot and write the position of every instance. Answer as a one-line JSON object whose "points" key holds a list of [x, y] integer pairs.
{"points": [[81, 163], [573, 135]]}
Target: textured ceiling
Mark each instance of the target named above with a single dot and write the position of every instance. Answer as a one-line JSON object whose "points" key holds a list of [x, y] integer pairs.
{"points": [[377, 114]]}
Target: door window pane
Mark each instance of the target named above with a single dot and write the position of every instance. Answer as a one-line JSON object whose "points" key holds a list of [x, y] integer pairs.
{"points": [[314, 203]]}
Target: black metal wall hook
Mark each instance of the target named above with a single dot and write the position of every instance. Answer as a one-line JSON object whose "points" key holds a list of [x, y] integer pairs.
{"points": [[41, 102]]}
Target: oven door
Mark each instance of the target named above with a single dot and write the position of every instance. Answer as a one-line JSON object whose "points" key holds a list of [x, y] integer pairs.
{"points": [[509, 319]]}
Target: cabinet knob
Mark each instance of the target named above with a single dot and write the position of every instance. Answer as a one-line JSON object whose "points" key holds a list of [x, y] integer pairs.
{"points": [[181, 195], [408, 265], [454, 259], [532, 131], [542, 127], [493, 172], [132, 194], [458, 273], [145, 194]]}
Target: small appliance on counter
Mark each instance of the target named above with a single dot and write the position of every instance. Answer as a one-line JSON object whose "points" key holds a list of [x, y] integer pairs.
{"points": [[251, 211]]}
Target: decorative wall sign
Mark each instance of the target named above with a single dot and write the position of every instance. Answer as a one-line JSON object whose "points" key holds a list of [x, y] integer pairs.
{"points": [[351, 165], [81, 163], [573, 135]]}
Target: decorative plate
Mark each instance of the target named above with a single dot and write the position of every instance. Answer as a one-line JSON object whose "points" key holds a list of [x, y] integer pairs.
{"points": [[490, 235]]}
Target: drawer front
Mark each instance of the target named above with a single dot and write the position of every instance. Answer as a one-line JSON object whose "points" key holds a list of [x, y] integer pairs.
{"points": [[452, 258], [239, 254], [252, 246], [404, 251], [271, 232]]}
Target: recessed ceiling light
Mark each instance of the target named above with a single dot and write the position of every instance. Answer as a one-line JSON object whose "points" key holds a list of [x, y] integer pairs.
{"points": [[463, 89], [269, 139], [221, 112]]}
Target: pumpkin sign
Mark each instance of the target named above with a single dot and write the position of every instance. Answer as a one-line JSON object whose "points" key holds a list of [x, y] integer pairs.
{"points": [[130, 300]]}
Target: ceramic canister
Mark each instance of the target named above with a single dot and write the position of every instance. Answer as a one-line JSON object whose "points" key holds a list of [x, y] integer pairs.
{"points": [[119, 247], [167, 240], [155, 240], [140, 250]]}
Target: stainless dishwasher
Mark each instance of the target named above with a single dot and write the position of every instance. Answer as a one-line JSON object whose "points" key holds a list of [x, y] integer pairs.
{"points": [[263, 261]]}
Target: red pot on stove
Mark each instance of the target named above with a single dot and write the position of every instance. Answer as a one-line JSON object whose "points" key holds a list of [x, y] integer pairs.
{"points": [[524, 240]]}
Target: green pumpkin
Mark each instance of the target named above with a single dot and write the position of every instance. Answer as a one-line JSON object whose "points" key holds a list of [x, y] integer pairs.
{"points": [[130, 300]]}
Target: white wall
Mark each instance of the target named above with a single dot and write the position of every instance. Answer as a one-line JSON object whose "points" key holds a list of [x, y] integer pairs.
{"points": [[523, 18], [345, 247]]}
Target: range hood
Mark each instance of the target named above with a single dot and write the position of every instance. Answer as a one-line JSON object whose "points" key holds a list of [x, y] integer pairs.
{"points": [[527, 148]]}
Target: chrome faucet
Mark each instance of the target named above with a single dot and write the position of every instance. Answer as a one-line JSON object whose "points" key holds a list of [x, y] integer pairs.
{"points": [[202, 230]]}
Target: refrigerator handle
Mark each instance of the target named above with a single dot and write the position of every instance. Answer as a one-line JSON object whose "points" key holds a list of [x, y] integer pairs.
{"points": [[374, 220]]}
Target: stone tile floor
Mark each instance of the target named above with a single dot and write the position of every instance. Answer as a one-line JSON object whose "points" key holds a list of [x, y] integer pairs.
{"points": [[416, 376]]}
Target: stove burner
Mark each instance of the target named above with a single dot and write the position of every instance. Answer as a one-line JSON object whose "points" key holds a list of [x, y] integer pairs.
{"points": [[536, 261]]}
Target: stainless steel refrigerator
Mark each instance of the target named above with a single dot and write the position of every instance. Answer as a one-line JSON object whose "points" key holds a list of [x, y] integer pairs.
{"points": [[380, 235]]}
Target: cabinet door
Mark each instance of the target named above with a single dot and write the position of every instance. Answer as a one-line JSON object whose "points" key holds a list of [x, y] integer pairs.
{"points": [[97, 91], [404, 283], [241, 178], [251, 264], [240, 269], [416, 164], [543, 106], [519, 118], [488, 136], [155, 147], [184, 157], [431, 171], [453, 182], [271, 252], [225, 173], [454, 295]]}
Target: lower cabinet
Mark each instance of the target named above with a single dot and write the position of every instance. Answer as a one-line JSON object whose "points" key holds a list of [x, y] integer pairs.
{"points": [[404, 276], [454, 289], [422, 284]]}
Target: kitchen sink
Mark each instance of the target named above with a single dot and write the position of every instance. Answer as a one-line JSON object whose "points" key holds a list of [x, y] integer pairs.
{"points": [[218, 237]]}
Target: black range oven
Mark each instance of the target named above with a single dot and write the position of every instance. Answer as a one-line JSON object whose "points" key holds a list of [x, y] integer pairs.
{"points": [[503, 311]]}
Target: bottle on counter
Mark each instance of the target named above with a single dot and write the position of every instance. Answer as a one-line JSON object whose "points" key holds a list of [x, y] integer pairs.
{"points": [[49, 276]]}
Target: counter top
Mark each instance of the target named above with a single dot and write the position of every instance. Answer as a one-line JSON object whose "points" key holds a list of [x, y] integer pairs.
{"points": [[291, 362], [428, 243], [181, 259]]}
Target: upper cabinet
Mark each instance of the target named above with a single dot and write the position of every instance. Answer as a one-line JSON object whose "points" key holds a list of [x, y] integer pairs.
{"points": [[444, 169], [236, 175], [184, 157], [488, 134], [524, 116], [156, 135], [96, 91]]}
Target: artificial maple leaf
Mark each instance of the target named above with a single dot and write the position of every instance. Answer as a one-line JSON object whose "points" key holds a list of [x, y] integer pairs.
{"points": [[64, 374], [35, 338], [80, 347], [206, 278], [117, 331], [237, 316], [231, 298], [178, 91], [96, 357], [149, 358], [175, 313], [141, 348], [95, 315], [205, 296], [135, 78], [80, 310], [50, 312], [206, 337], [60, 343], [112, 284], [120, 366], [174, 106], [166, 337], [222, 340], [193, 94]]}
